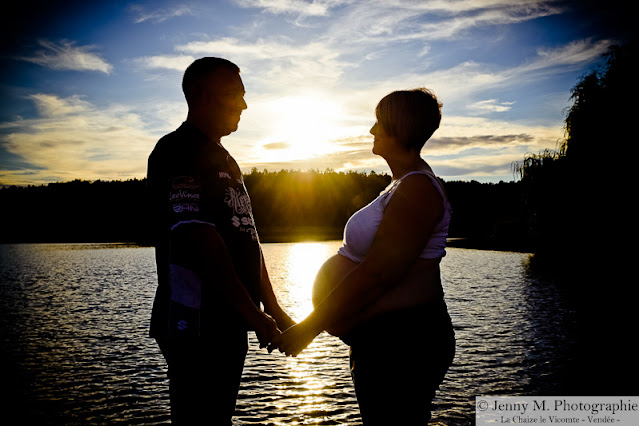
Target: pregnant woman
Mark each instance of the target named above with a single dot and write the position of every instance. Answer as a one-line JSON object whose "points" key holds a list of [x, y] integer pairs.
{"points": [[382, 293]]}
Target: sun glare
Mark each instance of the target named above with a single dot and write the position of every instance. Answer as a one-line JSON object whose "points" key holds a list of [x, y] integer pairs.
{"points": [[304, 260], [301, 127]]}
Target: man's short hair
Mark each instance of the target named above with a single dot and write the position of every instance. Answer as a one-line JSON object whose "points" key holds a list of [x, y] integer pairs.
{"points": [[199, 70], [412, 116]]}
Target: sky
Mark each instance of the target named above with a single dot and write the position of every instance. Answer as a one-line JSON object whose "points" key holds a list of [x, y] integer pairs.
{"points": [[89, 87]]}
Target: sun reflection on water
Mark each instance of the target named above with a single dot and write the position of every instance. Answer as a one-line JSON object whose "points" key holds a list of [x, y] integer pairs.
{"points": [[302, 264], [309, 383]]}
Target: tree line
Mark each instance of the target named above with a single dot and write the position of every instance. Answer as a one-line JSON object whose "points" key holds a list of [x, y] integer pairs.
{"points": [[288, 205]]}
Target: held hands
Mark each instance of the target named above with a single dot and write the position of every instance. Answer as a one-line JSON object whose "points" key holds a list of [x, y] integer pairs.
{"points": [[295, 339], [268, 328], [292, 341], [271, 321]]}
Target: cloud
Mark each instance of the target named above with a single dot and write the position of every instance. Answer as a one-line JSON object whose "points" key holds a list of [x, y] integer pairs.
{"points": [[463, 82], [273, 64], [170, 62], [469, 147], [571, 56], [159, 15], [49, 106], [477, 166], [276, 145], [71, 138], [468, 15], [65, 55], [259, 50], [384, 21], [478, 141], [491, 105], [362, 38], [359, 33], [463, 131], [298, 7], [284, 66]]}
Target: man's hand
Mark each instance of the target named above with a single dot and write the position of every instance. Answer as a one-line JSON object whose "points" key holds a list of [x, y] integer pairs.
{"points": [[265, 329]]}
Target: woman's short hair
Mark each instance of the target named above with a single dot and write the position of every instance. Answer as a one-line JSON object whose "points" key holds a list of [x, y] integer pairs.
{"points": [[411, 116], [199, 70]]}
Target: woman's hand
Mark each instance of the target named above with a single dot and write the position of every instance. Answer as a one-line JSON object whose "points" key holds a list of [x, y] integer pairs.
{"points": [[295, 339], [284, 322]]}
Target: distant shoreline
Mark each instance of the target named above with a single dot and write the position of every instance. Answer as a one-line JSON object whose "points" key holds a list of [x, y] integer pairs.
{"points": [[288, 207], [305, 234], [318, 234], [299, 234], [474, 244]]}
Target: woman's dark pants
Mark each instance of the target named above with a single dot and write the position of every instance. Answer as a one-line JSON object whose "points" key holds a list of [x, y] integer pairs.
{"points": [[398, 361]]}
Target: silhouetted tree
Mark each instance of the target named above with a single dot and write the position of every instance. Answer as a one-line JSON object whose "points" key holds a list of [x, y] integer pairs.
{"points": [[572, 192], [580, 216]]}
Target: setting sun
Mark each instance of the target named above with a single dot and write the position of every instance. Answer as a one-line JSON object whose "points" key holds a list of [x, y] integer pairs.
{"points": [[301, 127]]}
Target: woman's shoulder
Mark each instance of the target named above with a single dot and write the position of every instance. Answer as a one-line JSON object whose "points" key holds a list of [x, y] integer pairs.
{"points": [[420, 189], [417, 181], [426, 180]]}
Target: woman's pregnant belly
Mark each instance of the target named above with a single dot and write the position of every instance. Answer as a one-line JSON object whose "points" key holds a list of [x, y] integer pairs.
{"points": [[419, 285], [330, 275]]}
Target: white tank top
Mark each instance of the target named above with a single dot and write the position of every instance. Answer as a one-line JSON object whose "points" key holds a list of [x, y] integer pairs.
{"points": [[361, 228]]}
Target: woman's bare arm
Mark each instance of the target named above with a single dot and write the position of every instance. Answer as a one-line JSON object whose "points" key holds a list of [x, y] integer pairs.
{"points": [[406, 226]]}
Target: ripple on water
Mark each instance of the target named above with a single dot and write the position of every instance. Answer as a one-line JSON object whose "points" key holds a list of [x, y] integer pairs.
{"points": [[74, 324]]}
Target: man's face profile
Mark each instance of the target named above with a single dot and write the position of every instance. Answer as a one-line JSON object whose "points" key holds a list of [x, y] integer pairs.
{"points": [[223, 100]]}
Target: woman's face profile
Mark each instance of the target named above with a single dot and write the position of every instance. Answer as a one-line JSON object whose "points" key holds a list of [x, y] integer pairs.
{"points": [[382, 141]]}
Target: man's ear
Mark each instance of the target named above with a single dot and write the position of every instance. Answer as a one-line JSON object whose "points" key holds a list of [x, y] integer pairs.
{"points": [[200, 94]]}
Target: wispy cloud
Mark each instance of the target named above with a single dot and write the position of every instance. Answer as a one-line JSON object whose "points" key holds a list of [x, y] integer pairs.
{"points": [[169, 62], [272, 63], [71, 138], [297, 7], [491, 105], [158, 15], [65, 55], [463, 82], [572, 55], [358, 34], [385, 21], [277, 145]]}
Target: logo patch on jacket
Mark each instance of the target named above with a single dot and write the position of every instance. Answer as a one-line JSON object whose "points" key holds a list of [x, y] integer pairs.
{"points": [[184, 194]]}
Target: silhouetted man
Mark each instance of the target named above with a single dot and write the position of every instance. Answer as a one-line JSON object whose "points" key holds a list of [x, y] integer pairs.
{"points": [[211, 274]]}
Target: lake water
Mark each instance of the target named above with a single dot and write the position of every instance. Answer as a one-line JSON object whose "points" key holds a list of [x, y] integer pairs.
{"points": [[74, 346]]}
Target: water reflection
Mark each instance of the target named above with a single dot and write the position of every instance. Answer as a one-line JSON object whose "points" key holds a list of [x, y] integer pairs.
{"points": [[76, 323], [314, 387], [302, 261], [74, 327]]}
